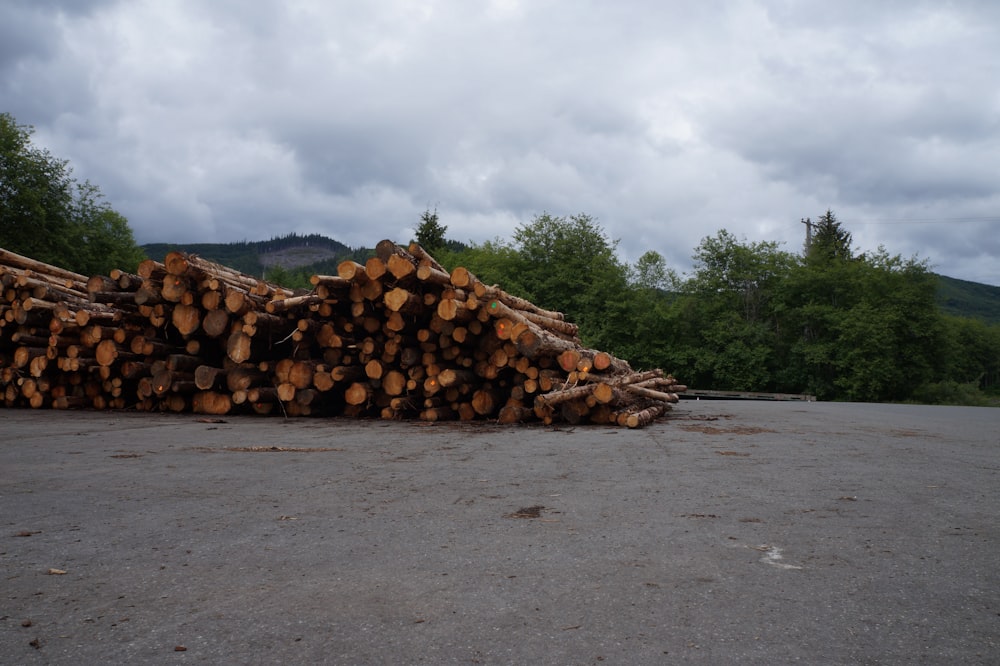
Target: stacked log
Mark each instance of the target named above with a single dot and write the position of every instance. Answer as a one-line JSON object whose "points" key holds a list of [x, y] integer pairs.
{"points": [[396, 337]]}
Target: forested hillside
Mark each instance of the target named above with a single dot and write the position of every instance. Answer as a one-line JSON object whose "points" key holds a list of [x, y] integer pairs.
{"points": [[962, 298], [284, 259]]}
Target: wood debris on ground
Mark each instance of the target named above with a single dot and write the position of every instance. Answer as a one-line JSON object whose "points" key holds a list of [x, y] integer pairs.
{"points": [[397, 337]]}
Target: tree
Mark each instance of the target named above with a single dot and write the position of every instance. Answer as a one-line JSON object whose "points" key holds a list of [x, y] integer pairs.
{"points": [[566, 264], [35, 197], [46, 215], [495, 261], [570, 265], [430, 233], [865, 328], [743, 274], [830, 241], [726, 319], [106, 240], [651, 272], [644, 336], [297, 278]]}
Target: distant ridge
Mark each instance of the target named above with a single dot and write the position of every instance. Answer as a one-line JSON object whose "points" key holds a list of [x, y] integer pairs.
{"points": [[254, 257], [969, 299]]}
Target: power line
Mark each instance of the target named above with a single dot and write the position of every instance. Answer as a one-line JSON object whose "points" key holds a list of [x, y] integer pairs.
{"points": [[925, 220]]}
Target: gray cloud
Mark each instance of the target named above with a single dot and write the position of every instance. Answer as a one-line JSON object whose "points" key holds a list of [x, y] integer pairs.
{"points": [[667, 121]]}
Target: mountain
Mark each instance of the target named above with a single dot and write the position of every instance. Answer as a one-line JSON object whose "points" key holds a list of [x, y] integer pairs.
{"points": [[969, 299], [254, 257]]}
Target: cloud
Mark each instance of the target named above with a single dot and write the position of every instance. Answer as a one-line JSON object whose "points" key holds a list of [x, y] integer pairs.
{"points": [[666, 121]]}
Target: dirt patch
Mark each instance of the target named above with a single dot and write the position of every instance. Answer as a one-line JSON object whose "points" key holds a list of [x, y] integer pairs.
{"points": [[699, 417], [278, 449], [293, 257], [527, 512]]}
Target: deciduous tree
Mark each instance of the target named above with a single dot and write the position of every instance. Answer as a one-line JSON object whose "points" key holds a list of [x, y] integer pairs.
{"points": [[46, 215]]}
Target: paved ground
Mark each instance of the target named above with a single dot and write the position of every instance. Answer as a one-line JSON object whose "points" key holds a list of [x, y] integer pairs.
{"points": [[732, 532]]}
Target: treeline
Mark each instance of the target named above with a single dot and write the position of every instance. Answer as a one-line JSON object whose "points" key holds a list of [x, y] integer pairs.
{"points": [[294, 239], [752, 317]]}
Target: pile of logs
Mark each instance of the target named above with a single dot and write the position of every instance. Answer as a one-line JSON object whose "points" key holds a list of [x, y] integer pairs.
{"points": [[396, 337]]}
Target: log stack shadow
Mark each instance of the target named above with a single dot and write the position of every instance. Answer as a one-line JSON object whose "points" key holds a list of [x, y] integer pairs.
{"points": [[398, 337]]}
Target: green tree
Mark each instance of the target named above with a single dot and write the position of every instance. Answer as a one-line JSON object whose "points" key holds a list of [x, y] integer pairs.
{"points": [[830, 241], [643, 337], [743, 275], [35, 197], [651, 272], [46, 215], [569, 264], [495, 261], [970, 352], [105, 239], [864, 328], [967, 368], [725, 321], [430, 232]]}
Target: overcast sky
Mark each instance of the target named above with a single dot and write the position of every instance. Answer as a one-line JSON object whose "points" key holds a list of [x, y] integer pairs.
{"points": [[224, 120]]}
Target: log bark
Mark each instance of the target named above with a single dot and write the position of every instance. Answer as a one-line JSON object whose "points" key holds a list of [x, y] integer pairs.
{"points": [[241, 378], [462, 278], [238, 346], [186, 319], [424, 257], [210, 402], [556, 397], [652, 394], [347, 373], [403, 301], [394, 383], [216, 323], [208, 378], [350, 272], [9, 258], [493, 292], [402, 267], [358, 393], [645, 416], [433, 275]]}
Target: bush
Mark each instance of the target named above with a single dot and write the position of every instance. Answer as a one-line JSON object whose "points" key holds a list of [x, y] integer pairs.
{"points": [[950, 392]]}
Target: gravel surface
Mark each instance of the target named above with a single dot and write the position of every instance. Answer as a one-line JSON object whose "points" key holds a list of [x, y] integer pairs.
{"points": [[730, 532]]}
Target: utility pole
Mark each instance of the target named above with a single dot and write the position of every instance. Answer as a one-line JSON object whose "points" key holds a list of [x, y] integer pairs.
{"points": [[809, 233]]}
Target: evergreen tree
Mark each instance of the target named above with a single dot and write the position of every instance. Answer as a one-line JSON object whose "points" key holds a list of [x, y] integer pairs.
{"points": [[830, 241], [430, 233]]}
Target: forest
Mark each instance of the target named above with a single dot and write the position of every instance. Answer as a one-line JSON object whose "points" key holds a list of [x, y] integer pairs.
{"points": [[833, 322]]}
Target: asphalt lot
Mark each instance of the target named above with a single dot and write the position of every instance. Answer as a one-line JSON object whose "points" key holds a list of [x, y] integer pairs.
{"points": [[729, 532]]}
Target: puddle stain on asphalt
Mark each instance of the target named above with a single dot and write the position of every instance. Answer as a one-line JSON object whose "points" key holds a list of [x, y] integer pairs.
{"points": [[773, 557]]}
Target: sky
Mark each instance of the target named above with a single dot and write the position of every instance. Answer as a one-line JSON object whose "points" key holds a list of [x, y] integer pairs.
{"points": [[666, 121]]}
